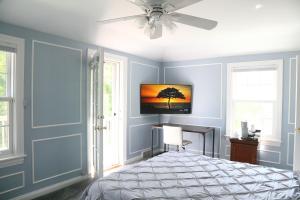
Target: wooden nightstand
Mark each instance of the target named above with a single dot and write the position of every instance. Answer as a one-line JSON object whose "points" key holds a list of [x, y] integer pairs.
{"points": [[243, 150]]}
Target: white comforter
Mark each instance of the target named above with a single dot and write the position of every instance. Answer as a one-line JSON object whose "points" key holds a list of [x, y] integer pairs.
{"points": [[187, 176]]}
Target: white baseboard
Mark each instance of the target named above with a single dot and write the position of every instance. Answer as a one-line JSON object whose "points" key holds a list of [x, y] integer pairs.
{"points": [[51, 188], [134, 159], [140, 157], [207, 153]]}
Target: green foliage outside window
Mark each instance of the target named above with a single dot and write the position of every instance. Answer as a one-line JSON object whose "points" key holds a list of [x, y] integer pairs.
{"points": [[3, 104], [107, 90]]}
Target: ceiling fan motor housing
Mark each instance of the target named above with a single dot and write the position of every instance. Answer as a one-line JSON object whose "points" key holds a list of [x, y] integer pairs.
{"points": [[155, 14]]}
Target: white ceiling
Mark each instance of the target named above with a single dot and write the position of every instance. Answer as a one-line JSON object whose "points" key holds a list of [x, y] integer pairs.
{"points": [[242, 28]]}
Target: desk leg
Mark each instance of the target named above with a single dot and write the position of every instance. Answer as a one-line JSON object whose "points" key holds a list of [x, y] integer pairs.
{"points": [[204, 144], [213, 144], [152, 143]]}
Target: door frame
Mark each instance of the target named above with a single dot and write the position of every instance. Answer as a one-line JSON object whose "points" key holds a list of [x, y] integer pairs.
{"points": [[296, 162], [94, 56], [101, 53]]}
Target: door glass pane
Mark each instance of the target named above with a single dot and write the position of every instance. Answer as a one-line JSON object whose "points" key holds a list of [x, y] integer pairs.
{"points": [[108, 114], [110, 133], [107, 89]]}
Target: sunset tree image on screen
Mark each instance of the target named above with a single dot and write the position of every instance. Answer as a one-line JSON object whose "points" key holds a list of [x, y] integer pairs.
{"points": [[165, 99], [170, 93]]}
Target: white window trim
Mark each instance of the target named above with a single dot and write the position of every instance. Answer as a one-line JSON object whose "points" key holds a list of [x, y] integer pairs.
{"points": [[278, 64], [17, 156]]}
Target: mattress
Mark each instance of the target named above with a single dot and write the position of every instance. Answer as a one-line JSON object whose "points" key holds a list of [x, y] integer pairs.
{"points": [[188, 176]]}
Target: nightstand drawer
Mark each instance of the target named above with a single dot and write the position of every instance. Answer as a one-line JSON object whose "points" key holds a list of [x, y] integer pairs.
{"points": [[244, 150]]}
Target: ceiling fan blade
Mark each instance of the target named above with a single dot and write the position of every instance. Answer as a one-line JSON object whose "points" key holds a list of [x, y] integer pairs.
{"points": [[194, 21], [121, 19], [140, 3], [167, 21], [173, 5], [141, 22]]}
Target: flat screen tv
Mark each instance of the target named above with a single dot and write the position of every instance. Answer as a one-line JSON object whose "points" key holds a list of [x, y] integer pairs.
{"points": [[165, 99]]}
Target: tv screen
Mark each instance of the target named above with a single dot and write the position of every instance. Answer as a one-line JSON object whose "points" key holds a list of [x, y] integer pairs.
{"points": [[165, 99]]}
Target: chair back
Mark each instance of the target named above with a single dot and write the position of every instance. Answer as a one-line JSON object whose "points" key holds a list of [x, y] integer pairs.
{"points": [[172, 135]]}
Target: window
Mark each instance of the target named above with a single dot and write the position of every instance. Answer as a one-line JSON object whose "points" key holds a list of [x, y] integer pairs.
{"points": [[11, 100], [255, 95], [6, 100]]}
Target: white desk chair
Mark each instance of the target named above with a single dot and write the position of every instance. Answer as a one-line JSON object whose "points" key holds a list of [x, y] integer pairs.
{"points": [[173, 136]]}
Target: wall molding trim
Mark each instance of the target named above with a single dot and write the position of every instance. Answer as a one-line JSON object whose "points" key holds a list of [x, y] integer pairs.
{"points": [[290, 84], [227, 147], [34, 180], [19, 187], [265, 150], [51, 188], [34, 126], [130, 84], [288, 163], [145, 149], [220, 117]]}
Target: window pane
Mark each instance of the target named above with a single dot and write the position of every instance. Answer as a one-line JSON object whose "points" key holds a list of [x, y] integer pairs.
{"points": [[4, 113], [4, 138], [255, 85], [255, 113], [2, 58], [3, 84], [5, 63]]}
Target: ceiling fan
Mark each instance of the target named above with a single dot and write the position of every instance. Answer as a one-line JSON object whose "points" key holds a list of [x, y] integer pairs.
{"points": [[161, 12]]}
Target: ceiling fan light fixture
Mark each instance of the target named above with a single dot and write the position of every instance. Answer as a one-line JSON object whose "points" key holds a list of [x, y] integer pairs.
{"points": [[147, 30]]}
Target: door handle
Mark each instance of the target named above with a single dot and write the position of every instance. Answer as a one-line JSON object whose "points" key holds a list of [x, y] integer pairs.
{"points": [[99, 128], [297, 130]]}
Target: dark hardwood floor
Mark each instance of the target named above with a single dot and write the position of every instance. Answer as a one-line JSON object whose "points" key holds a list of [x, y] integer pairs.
{"points": [[72, 192]]}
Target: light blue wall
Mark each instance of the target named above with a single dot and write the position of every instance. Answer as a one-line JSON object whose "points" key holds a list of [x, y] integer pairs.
{"points": [[55, 111], [208, 77], [54, 124], [139, 126]]}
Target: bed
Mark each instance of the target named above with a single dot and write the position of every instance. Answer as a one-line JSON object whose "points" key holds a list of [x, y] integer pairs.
{"points": [[188, 176]]}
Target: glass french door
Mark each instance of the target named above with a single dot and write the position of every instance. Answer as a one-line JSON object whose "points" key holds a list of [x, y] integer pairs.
{"points": [[111, 133], [106, 125]]}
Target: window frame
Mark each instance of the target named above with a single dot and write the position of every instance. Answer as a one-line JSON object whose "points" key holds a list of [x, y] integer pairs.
{"points": [[16, 154], [275, 138]]}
